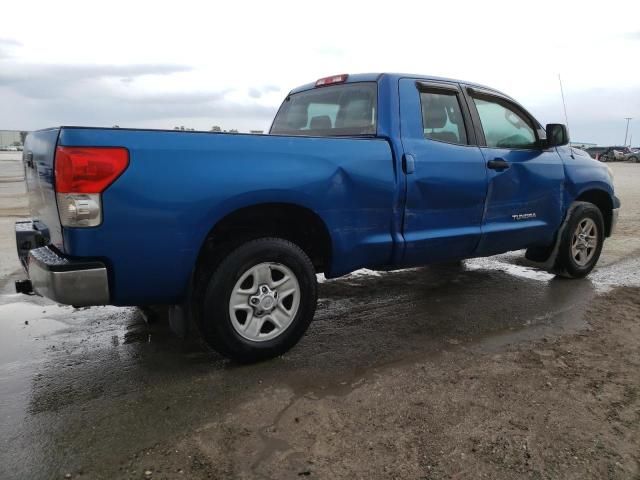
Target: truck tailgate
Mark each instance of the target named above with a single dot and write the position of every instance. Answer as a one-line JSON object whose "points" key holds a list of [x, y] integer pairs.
{"points": [[38, 156]]}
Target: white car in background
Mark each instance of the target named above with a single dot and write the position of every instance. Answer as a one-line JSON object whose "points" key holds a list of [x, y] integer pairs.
{"points": [[633, 155]]}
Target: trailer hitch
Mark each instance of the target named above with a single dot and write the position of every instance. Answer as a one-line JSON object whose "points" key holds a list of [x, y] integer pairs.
{"points": [[25, 287]]}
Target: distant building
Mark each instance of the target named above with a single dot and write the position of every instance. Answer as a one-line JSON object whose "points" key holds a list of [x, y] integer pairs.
{"points": [[256, 132], [11, 138]]}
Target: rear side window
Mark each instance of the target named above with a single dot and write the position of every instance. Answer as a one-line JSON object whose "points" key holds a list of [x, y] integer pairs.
{"points": [[503, 125], [442, 117], [338, 110]]}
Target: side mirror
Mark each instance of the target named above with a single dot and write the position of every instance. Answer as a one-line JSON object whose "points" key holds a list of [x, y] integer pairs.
{"points": [[557, 135]]}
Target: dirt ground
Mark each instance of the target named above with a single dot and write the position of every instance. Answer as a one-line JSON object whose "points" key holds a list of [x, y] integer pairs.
{"points": [[566, 407], [486, 370]]}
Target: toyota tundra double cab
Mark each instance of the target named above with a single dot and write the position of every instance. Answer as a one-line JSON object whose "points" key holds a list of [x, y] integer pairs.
{"points": [[383, 171]]}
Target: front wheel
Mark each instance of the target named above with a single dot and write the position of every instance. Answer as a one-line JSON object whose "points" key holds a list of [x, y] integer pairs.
{"points": [[259, 301], [581, 242]]}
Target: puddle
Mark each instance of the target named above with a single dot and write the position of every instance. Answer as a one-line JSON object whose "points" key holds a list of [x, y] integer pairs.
{"points": [[23, 324], [17, 338], [24, 332], [370, 320]]}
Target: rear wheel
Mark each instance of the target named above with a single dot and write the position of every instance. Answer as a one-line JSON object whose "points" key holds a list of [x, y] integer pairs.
{"points": [[633, 158], [259, 301], [581, 242]]}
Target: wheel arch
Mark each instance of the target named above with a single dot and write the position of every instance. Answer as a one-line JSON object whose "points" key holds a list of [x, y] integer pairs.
{"points": [[294, 222], [601, 199]]}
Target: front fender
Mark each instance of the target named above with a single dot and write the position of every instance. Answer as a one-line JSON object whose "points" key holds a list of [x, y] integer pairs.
{"points": [[585, 174]]}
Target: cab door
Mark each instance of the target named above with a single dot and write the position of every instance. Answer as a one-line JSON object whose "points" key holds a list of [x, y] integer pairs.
{"points": [[524, 202], [446, 179]]}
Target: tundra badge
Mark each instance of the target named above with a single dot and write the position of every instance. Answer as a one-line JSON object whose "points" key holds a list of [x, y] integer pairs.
{"points": [[523, 216]]}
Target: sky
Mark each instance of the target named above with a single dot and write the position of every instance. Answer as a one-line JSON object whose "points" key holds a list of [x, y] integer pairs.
{"points": [[203, 63]]}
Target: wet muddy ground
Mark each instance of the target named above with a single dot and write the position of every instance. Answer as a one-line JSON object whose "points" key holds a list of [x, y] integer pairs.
{"points": [[489, 369]]}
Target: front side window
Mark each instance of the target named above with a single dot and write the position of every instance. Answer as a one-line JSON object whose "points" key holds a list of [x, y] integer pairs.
{"points": [[504, 126], [338, 110], [442, 118]]}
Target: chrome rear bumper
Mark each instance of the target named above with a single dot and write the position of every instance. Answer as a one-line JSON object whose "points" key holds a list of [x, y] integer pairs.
{"points": [[65, 281], [62, 279]]}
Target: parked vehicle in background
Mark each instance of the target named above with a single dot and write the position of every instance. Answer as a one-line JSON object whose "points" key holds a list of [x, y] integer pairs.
{"points": [[595, 152], [633, 155], [380, 171], [613, 154]]}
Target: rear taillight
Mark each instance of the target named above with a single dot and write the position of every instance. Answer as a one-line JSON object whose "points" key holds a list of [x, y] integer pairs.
{"points": [[81, 175], [88, 169]]}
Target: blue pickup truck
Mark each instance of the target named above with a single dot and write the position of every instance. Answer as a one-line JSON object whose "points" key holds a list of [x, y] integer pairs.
{"points": [[383, 171]]}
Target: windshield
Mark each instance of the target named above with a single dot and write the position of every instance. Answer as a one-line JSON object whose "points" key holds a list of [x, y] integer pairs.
{"points": [[347, 109]]}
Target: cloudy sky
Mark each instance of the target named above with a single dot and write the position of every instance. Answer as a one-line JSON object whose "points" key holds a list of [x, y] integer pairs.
{"points": [[161, 64]]}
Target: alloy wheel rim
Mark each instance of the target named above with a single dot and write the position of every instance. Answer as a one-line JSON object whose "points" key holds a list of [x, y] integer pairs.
{"points": [[264, 301], [584, 242]]}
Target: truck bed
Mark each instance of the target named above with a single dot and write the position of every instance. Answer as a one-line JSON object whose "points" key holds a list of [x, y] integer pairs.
{"points": [[178, 185]]}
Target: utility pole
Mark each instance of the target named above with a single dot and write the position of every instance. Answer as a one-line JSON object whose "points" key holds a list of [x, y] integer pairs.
{"points": [[628, 119]]}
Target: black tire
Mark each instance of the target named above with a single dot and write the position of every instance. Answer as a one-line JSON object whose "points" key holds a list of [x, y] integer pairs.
{"points": [[214, 318], [566, 264], [633, 159]]}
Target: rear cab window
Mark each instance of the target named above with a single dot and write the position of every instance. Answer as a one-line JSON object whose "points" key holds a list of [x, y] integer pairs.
{"points": [[332, 111]]}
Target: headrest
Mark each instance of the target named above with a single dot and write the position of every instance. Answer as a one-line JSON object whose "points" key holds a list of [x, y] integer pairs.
{"points": [[321, 122], [434, 113], [355, 113]]}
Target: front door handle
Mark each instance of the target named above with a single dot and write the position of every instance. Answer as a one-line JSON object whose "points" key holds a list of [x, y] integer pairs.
{"points": [[498, 164], [408, 163]]}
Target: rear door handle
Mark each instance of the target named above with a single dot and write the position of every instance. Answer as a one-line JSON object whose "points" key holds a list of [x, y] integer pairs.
{"points": [[498, 164], [408, 163]]}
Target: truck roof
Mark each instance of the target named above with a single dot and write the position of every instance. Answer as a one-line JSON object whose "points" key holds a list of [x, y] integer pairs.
{"points": [[374, 77]]}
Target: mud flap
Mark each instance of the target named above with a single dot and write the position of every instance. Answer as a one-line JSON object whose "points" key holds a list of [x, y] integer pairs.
{"points": [[549, 264], [183, 320], [176, 316]]}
